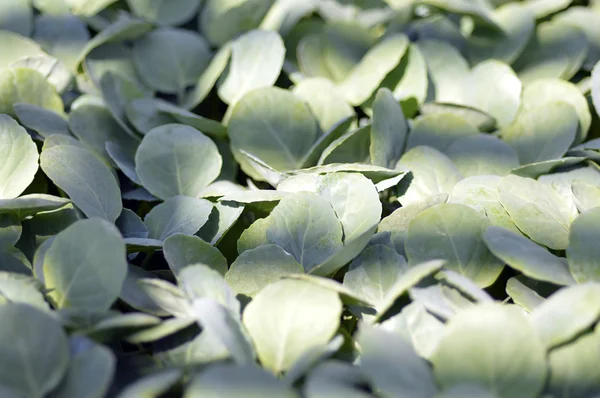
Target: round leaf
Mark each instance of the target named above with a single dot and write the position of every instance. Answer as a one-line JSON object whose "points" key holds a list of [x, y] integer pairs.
{"points": [[165, 12], [85, 266], [19, 158], [177, 160], [288, 318], [177, 215], [583, 251]]}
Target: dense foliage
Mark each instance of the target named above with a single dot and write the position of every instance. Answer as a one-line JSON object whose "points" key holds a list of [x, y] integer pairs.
{"points": [[299, 198]]}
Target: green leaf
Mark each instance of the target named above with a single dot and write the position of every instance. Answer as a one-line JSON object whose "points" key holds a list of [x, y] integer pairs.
{"points": [[181, 250], [256, 268], [16, 47], [397, 223], [87, 181], [586, 196], [274, 125], [288, 318], [392, 365], [374, 272], [481, 120], [543, 92], [453, 232], [217, 319], [543, 133], [567, 313], [573, 367], [221, 21], [582, 252], [161, 12], [433, 173], [228, 380], [517, 22], [329, 107], [117, 92], [62, 36], [494, 346], [207, 80], [557, 50], [166, 296], [169, 60], [527, 257], [482, 154], [200, 281], [523, 295], [306, 226], [537, 209], [90, 372], [43, 121], [34, 351], [256, 62], [20, 158], [410, 278], [596, 87], [28, 86], [367, 75], [154, 384], [439, 131], [85, 266], [18, 288], [16, 16], [178, 151], [388, 130], [352, 147], [447, 70], [177, 215]]}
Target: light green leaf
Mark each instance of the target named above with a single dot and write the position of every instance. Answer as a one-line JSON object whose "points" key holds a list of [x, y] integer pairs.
{"points": [[574, 368], [367, 75], [34, 351], [497, 77], [28, 86], [482, 154], [453, 232], [288, 318], [439, 131], [543, 133], [85, 266], [19, 158], [527, 257], [225, 380], [373, 273], [481, 120], [388, 130], [274, 125], [566, 313], [256, 62], [433, 173], [217, 319], [90, 372], [537, 209], [28, 205], [223, 20], [181, 250], [557, 50], [200, 281], [397, 223], [87, 181], [586, 196], [492, 345], [325, 101], [62, 36], [169, 60], [583, 252], [117, 91], [179, 214], [543, 92], [518, 24], [152, 385], [177, 160], [43, 121], [447, 69], [306, 226], [256, 268], [161, 12], [207, 80], [543, 8], [18, 288], [352, 147], [393, 366], [414, 275], [16, 16], [16, 47], [523, 295], [166, 296]]}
